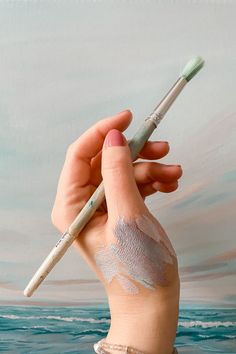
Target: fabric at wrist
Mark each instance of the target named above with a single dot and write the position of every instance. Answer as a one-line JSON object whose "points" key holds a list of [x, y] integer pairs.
{"points": [[101, 346]]}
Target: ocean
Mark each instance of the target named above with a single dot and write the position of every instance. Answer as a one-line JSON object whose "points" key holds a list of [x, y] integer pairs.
{"points": [[74, 330]]}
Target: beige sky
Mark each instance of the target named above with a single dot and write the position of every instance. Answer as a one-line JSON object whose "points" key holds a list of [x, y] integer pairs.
{"points": [[66, 65]]}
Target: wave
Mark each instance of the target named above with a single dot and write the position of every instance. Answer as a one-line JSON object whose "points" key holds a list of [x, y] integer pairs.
{"points": [[209, 324], [93, 331], [185, 324], [58, 318]]}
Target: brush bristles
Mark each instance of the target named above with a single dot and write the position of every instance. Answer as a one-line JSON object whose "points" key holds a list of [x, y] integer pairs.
{"points": [[192, 67]]}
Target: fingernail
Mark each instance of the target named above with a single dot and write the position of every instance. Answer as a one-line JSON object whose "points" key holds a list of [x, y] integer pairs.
{"points": [[125, 110], [114, 138], [173, 165], [166, 142]]}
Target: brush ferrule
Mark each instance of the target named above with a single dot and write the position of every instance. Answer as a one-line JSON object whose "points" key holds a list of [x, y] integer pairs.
{"points": [[155, 117], [159, 112]]}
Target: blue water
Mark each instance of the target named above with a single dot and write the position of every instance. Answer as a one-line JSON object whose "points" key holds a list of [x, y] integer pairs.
{"points": [[73, 330]]}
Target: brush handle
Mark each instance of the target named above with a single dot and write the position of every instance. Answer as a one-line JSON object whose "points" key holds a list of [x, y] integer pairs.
{"points": [[66, 240]]}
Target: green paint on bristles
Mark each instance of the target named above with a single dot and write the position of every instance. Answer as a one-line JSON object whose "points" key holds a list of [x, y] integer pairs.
{"points": [[192, 67]]}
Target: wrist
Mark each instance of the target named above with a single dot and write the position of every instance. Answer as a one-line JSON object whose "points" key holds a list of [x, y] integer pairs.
{"points": [[147, 323]]}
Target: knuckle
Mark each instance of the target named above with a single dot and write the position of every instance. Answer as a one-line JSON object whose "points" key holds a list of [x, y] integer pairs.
{"points": [[169, 188], [53, 218], [173, 187], [181, 172], [167, 149], [115, 164], [70, 149]]}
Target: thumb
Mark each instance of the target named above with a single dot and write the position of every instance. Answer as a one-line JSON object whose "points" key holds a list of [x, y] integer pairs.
{"points": [[121, 191]]}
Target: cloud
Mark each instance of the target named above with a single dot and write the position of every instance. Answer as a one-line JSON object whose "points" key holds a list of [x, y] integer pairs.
{"points": [[185, 195], [221, 257], [188, 201], [230, 298], [201, 267], [202, 277], [216, 198], [66, 282], [6, 285], [229, 176], [208, 268], [51, 303]]}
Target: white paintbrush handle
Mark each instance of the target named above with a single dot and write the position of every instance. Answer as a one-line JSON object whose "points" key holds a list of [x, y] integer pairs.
{"points": [[66, 240], [54, 256], [135, 144]]}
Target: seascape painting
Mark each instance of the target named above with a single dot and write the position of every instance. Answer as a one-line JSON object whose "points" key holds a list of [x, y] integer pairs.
{"points": [[65, 65]]}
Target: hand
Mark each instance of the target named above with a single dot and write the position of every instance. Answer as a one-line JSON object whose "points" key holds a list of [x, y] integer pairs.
{"points": [[126, 185], [123, 243]]}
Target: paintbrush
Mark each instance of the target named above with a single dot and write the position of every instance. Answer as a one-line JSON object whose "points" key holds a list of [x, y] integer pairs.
{"points": [[135, 144]]}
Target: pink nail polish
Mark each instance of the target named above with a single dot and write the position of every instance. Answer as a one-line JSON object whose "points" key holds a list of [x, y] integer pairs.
{"points": [[125, 110], [114, 138]]}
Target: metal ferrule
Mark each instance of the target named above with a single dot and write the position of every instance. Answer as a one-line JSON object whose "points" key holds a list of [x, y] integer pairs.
{"points": [[159, 112]]}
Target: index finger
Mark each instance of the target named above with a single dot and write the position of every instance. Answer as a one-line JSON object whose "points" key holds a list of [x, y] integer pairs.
{"points": [[90, 143]]}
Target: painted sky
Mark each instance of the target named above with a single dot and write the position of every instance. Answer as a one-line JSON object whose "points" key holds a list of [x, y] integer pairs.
{"points": [[65, 65]]}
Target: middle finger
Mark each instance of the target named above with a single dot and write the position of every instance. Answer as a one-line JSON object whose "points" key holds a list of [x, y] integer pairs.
{"points": [[152, 150], [148, 172]]}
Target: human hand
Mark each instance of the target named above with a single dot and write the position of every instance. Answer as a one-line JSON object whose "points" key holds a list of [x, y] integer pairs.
{"points": [[123, 243]]}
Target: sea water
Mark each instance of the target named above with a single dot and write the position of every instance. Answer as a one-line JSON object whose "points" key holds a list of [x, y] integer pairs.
{"points": [[74, 330]]}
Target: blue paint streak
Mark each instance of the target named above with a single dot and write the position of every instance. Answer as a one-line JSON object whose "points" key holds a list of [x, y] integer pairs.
{"points": [[188, 202], [230, 176]]}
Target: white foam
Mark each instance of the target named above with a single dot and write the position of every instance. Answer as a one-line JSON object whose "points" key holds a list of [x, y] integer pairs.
{"points": [[186, 324], [58, 318], [209, 324]]}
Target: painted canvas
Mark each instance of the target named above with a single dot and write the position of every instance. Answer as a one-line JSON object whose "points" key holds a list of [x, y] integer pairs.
{"points": [[65, 65]]}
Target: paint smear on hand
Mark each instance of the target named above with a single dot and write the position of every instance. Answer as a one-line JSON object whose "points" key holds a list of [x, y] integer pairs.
{"points": [[142, 253]]}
